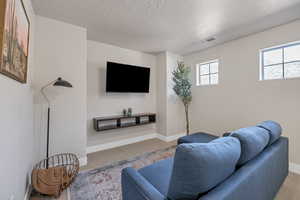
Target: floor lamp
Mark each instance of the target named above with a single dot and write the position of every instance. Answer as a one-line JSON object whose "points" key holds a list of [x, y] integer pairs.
{"points": [[60, 83]]}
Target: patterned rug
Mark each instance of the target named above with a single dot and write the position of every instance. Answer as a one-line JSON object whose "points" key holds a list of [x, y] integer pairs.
{"points": [[105, 183]]}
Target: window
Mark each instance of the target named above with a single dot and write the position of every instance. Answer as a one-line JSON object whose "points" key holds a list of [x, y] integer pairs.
{"points": [[208, 73], [280, 62]]}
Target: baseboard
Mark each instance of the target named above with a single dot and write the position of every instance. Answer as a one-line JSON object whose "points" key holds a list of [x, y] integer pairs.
{"points": [[169, 138], [28, 192], [83, 161], [110, 145], [295, 168]]}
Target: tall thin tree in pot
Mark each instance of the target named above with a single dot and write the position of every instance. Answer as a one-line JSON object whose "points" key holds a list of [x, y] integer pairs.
{"points": [[182, 88]]}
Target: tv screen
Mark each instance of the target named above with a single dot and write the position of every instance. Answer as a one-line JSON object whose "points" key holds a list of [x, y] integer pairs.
{"points": [[127, 78]]}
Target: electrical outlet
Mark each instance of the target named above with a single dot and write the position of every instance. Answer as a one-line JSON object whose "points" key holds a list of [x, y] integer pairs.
{"points": [[12, 197]]}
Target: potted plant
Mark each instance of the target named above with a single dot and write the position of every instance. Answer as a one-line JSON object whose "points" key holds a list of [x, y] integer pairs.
{"points": [[182, 88]]}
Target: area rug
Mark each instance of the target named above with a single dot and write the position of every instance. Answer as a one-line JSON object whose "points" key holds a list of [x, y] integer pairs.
{"points": [[105, 183]]}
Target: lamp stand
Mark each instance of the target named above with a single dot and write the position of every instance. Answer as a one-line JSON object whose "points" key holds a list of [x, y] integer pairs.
{"points": [[48, 120], [48, 125], [57, 82]]}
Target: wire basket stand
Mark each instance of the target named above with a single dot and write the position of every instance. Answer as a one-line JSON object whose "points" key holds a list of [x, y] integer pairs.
{"points": [[51, 176]]}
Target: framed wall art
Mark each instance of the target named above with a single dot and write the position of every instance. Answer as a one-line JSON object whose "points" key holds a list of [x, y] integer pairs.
{"points": [[14, 39]]}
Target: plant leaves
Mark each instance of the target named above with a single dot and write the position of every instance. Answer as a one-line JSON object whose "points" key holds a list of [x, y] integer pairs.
{"points": [[182, 86]]}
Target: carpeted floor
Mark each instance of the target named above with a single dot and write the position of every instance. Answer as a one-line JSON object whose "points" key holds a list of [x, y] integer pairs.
{"points": [[105, 183]]}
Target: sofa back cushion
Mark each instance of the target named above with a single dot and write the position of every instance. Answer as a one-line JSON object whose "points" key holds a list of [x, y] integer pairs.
{"points": [[274, 129], [198, 167], [253, 140]]}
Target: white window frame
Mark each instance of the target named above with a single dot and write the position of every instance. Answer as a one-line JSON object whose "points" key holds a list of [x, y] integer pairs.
{"points": [[261, 60], [198, 83]]}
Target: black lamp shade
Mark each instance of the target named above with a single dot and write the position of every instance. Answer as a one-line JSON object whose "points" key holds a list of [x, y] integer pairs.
{"points": [[62, 83]]}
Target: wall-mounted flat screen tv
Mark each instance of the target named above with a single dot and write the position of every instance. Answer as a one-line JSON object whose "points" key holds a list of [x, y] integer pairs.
{"points": [[127, 78]]}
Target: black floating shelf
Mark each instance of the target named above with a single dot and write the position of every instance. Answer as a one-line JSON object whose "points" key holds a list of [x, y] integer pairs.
{"points": [[116, 122]]}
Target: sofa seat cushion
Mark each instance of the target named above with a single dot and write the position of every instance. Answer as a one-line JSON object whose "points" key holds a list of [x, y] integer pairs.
{"points": [[158, 174], [274, 129], [197, 138], [253, 140], [198, 167]]}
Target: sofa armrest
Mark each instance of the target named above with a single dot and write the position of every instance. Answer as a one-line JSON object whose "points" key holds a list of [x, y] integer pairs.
{"points": [[136, 187]]}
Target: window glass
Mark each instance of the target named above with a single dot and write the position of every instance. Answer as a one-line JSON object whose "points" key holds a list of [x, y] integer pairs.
{"points": [[214, 67], [208, 73], [273, 57], [204, 69], [273, 72], [204, 80], [292, 53], [292, 70], [214, 79], [281, 62]]}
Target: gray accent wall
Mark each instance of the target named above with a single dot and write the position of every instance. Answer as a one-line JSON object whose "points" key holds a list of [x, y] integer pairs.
{"points": [[100, 103], [61, 53], [171, 116], [241, 99]]}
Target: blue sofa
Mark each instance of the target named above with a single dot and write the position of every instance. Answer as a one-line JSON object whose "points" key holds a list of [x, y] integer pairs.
{"points": [[256, 169]]}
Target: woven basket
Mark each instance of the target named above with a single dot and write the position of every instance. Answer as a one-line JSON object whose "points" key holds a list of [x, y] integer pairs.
{"points": [[51, 176]]}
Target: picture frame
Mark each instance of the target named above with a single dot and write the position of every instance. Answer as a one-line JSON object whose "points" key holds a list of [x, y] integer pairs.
{"points": [[14, 39]]}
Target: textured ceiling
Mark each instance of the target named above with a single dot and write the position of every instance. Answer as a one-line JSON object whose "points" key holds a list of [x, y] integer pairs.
{"points": [[180, 26]]}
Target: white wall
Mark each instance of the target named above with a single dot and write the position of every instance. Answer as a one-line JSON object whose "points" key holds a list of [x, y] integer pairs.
{"points": [[101, 103], [175, 108], [61, 52], [171, 117], [161, 91], [17, 149], [241, 99]]}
